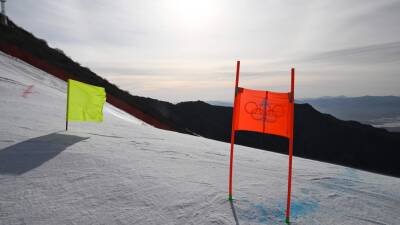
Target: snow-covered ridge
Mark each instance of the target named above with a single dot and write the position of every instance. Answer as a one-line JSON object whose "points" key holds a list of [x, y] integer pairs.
{"points": [[123, 172]]}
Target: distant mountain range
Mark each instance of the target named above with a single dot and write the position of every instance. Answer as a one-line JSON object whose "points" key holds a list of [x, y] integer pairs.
{"points": [[220, 103], [318, 136], [375, 110]]}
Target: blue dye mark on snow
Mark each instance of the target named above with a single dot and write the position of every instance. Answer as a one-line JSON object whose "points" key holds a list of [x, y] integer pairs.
{"points": [[258, 213], [300, 208], [268, 214], [350, 173]]}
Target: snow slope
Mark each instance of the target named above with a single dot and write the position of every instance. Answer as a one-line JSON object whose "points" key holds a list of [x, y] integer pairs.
{"points": [[122, 171]]}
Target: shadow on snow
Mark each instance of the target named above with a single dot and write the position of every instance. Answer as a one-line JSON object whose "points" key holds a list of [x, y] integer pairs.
{"points": [[27, 155], [234, 213]]}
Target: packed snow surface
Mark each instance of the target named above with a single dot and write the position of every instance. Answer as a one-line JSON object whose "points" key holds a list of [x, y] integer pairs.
{"points": [[123, 171]]}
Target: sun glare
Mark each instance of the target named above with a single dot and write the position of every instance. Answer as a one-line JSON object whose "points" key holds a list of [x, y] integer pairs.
{"points": [[193, 14]]}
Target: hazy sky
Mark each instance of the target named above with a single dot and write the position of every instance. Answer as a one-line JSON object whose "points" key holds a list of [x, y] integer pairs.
{"points": [[179, 50]]}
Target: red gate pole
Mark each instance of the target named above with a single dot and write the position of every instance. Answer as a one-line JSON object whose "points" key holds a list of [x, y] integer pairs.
{"points": [[233, 129], [291, 128]]}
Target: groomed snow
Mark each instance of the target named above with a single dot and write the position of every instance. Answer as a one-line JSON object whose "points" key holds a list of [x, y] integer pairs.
{"points": [[122, 171]]}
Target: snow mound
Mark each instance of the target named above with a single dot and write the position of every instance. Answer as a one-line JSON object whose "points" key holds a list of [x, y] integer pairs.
{"points": [[124, 172]]}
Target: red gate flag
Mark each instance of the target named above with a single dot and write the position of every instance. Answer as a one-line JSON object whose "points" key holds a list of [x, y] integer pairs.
{"points": [[262, 111], [265, 112]]}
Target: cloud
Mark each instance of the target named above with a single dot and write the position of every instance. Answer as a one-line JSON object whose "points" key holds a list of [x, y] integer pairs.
{"points": [[372, 54], [189, 45]]}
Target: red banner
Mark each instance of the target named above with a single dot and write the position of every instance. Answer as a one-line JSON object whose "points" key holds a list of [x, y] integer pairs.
{"points": [[262, 111]]}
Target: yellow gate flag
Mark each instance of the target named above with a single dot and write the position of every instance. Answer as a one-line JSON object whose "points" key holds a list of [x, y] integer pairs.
{"points": [[85, 102]]}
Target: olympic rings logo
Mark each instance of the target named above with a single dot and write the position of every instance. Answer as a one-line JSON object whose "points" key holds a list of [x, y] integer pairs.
{"points": [[264, 111]]}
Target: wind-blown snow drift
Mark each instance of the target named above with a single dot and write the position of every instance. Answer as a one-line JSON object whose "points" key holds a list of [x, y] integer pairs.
{"points": [[122, 171]]}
